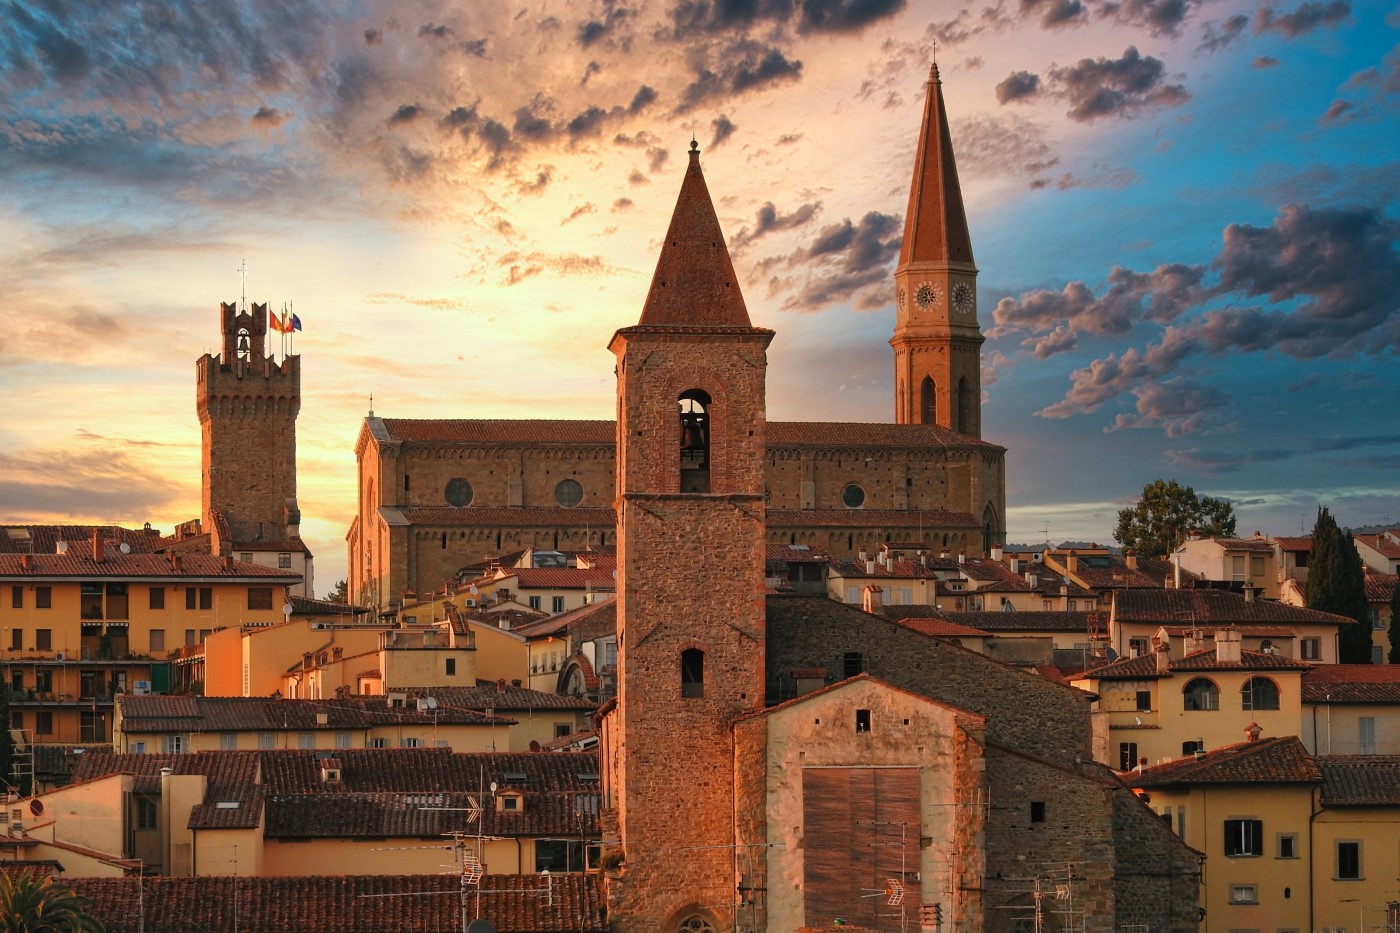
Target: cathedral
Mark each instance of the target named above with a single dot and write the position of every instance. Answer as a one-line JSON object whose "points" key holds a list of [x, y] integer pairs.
{"points": [[438, 495]]}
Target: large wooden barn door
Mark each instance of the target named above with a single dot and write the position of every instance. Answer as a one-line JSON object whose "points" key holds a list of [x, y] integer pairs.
{"points": [[861, 829]]}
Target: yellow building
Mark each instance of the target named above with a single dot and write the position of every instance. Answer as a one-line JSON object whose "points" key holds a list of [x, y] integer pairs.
{"points": [[319, 813], [94, 620], [1352, 709], [1159, 708], [1292, 841], [1249, 563]]}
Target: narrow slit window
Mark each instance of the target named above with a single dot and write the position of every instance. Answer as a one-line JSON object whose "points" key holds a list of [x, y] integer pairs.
{"points": [[862, 720], [692, 673]]}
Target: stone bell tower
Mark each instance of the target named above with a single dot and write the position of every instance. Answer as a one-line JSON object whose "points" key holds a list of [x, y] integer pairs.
{"points": [[248, 405], [937, 343], [690, 556]]}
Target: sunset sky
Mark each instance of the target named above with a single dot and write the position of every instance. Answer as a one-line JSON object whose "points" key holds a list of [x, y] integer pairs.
{"points": [[1184, 213]]}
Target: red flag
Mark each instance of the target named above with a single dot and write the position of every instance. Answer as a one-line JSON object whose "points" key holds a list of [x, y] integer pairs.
{"points": [[277, 323]]}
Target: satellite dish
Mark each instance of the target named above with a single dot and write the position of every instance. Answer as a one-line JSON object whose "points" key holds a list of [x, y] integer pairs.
{"points": [[1111, 655], [481, 925], [425, 704], [473, 590], [286, 609], [125, 548], [493, 787]]}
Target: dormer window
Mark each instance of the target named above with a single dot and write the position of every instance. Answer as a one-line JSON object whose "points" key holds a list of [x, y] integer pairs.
{"points": [[510, 802], [694, 441]]}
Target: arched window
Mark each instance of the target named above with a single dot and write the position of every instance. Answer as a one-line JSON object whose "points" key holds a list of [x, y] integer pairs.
{"points": [[928, 402], [989, 529], [695, 440], [1199, 694], [695, 925], [692, 673], [245, 347], [965, 410], [1259, 693]]}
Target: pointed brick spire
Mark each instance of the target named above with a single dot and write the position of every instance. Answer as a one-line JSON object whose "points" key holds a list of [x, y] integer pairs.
{"points": [[935, 226], [694, 285]]}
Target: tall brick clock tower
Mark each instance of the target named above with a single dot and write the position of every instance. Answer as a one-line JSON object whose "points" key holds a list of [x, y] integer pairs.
{"points": [[690, 507], [248, 405], [937, 343]]}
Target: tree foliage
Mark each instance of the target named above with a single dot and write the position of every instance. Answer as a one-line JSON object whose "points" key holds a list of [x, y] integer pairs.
{"points": [[1158, 524], [1337, 584], [341, 593], [31, 903]]}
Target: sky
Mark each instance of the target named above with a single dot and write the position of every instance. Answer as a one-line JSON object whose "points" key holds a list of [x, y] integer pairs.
{"points": [[1184, 213]]}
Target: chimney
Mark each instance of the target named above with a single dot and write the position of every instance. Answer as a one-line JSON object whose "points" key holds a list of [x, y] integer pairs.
{"points": [[1032, 580], [501, 685], [1252, 732], [1164, 658], [1249, 594], [962, 557], [228, 561], [871, 598], [997, 553], [1072, 562], [97, 549], [860, 555], [1227, 645], [870, 568], [517, 682], [1131, 557], [26, 561], [176, 562], [1015, 564], [1176, 571]]}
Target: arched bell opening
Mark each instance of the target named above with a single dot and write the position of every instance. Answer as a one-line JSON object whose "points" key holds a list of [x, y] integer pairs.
{"points": [[928, 402], [694, 409], [244, 345]]}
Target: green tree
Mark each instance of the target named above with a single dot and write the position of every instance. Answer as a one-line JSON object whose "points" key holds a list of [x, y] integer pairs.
{"points": [[30, 903], [1158, 524], [1337, 584], [340, 594], [1394, 657]]}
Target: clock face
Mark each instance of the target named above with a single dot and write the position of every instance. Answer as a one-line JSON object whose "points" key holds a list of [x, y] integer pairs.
{"points": [[963, 297], [928, 294]]}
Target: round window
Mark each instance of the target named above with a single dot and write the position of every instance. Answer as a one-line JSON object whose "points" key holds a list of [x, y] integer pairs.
{"points": [[696, 925], [853, 497], [568, 493], [458, 492]]}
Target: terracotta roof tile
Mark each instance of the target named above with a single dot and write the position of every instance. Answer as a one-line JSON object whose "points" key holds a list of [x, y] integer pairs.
{"points": [[997, 621], [1145, 667], [342, 904], [78, 562], [1381, 544], [1360, 780], [43, 539], [1281, 760], [1352, 683], [166, 714], [799, 553], [1295, 544], [503, 699], [1380, 587], [1211, 607]]}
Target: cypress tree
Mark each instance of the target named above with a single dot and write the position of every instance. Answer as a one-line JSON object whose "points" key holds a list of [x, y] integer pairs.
{"points": [[1337, 584]]}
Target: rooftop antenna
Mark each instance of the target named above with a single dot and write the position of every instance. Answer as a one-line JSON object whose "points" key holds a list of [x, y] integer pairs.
{"points": [[243, 299], [371, 404]]}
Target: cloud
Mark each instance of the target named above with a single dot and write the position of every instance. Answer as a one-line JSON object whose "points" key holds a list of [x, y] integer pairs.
{"points": [[723, 127], [66, 485], [711, 17], [1262, 62], [578, 212], [1019, 85], [1159, 17], [593, 31], [269, 117], [522, 266], [1317, 282], [1121, 87], [1214, 38], [744, 66], [843, 262], [770, 219], [1339, 111], [1056, 14], [1305, 19], [1178, 406], [623, 204], [406, 113], [1226, 461], [374, 36], [1002, 145]]}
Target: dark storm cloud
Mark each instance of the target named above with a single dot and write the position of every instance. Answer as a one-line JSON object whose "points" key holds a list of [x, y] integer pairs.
{"points": [[1214, 38], [592, 31], [770, 219], [1121, 87], [845, 15], [723, 127], [1306, 18], [434, 31], [644, 98], [1315, 283], [1017, 86], [743, 66], [373, 36], [843, 262]]}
